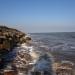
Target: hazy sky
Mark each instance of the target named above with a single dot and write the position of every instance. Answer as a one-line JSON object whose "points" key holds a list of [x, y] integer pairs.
{"points": [[38, 15]]}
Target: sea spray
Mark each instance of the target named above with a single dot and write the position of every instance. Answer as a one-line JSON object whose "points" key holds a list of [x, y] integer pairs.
{"points": [[44, 64], [28, 56]]}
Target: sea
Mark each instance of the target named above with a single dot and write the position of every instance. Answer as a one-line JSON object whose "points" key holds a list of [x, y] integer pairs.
{"points": [[61, 45]]}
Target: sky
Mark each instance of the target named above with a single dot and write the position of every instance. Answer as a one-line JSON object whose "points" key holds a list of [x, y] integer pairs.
{"points": [[38, 15]]}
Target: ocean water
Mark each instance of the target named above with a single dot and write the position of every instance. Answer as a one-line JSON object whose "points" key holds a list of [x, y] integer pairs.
{"points": [[60, 44]]}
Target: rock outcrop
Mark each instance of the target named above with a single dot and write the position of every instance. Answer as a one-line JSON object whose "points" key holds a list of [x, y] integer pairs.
{"points": [[9, 38]]}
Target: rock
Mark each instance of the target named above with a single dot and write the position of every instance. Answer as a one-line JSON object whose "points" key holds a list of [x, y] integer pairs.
{"points": [[10, 37]]}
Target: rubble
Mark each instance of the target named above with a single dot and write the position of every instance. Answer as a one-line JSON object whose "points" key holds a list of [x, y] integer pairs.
{"points": [[64, 67]]}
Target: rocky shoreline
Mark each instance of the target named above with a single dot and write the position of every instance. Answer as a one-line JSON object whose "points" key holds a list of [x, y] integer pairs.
{"points": [[27, 60], [9, 39], [19, 57]]}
